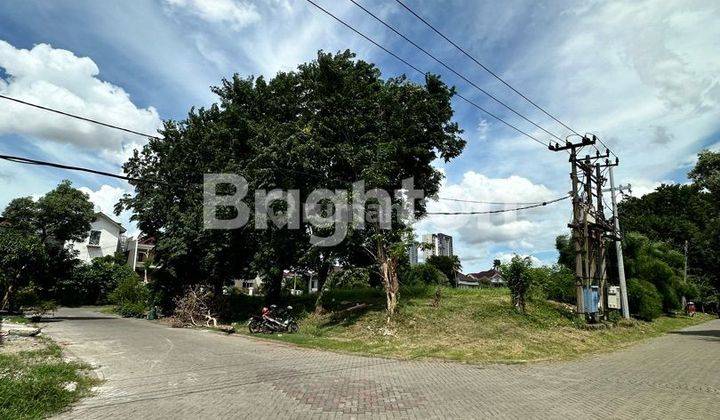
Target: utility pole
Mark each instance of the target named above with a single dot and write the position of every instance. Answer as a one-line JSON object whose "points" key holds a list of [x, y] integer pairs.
{"points": [[618, 246], [589, 227]]}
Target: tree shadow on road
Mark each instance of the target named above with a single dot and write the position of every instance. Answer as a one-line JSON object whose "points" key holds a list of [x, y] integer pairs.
{"points": [[700, 333], [78, 318]]}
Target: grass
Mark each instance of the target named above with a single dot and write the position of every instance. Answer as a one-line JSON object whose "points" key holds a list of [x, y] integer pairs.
{"points": [[32, 383], [15, 319], [473, 326]]}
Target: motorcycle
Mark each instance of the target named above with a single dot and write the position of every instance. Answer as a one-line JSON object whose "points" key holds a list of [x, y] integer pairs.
{"points": [[273, 320]]}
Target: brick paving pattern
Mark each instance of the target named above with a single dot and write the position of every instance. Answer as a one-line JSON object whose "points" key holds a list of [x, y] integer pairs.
{"points": [[152, 371]]}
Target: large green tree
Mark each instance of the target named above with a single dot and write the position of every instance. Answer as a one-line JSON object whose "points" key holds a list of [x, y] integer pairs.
{"points": [[680, 214], [330, 123], [63, 214], [448, 265], [21, 255]]}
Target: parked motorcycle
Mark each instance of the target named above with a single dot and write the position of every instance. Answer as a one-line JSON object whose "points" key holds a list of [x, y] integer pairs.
{"points": [[273, 319]]}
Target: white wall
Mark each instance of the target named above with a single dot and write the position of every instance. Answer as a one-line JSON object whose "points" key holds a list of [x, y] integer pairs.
{"points": [[109, 236]]}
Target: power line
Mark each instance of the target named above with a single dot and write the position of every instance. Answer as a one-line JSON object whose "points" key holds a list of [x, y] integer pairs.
{"points": [[490, 71], [442, 63], [489, 202], [78, 117], [28, 161], [422, 72], [461, 213]]}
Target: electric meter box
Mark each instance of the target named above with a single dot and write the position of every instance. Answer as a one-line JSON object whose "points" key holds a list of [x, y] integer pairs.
{"points": [[613, 297]]}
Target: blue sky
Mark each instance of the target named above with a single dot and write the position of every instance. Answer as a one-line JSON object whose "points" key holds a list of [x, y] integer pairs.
{"points": [[643, 75]]}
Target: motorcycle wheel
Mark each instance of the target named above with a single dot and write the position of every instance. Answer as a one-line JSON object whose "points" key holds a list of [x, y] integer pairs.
{"points": [[293, 327], [254, 327]]}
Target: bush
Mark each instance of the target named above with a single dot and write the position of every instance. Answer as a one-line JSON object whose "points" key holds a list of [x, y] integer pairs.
{"points": [[555, 283], [423, 274], [351, 278], [517, 274], [644, 300], [131, 297], [90, 284]]}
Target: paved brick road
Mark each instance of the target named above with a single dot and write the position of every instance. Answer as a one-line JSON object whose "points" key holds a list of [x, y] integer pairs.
{"points": [[152, 371]]}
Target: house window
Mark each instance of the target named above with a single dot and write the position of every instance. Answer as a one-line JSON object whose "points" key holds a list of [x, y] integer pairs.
{"points": [[94, 237]]}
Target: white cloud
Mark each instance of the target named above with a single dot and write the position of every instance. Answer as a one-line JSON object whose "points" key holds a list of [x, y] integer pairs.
{"points": [[237, 14], [507, 256], [482, 129], [59, 79], [104, 200], [475, 236]]}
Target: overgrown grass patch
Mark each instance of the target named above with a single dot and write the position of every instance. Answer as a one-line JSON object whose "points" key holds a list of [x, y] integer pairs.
{"points": [[474, 326], [15, 319], [36, 384]]}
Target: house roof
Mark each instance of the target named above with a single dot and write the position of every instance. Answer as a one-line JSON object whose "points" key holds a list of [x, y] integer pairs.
{"points": [[484, 274], [146, 240], [108, 218]]}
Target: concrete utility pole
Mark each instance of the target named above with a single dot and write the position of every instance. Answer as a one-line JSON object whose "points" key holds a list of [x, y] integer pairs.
{"points": [[589, 227], [618, 247]]}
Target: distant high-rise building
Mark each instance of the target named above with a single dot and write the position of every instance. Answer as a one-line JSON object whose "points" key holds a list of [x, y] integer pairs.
{"points": [[413, 253], [440, 245]]}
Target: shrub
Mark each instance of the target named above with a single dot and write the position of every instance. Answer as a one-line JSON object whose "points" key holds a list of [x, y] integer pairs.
{"points": [[423, 274], [351, 278], [130, 297], [644, 300], [555, 283], [518, 277], [90, 284]]}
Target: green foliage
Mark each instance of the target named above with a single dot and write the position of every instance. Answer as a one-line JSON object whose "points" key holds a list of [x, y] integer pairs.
{"points": [[63, 214], [448, 265], [33, 383], [555, 283], [21, 257], [41, 228], [423, 274], [328, 124], [350, 278], [678, 213], [644, 300], [517, 274], [657, 263], [706, 173], [564, 246], [90, 284], [131, 297]]}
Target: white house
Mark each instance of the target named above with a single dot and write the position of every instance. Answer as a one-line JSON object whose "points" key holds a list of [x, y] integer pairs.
{"points": [[492, 277], [104, 238], [139, 251]]}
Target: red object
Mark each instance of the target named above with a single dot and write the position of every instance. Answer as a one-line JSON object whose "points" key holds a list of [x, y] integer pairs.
{"points": [[265, 311], [691, 308]]}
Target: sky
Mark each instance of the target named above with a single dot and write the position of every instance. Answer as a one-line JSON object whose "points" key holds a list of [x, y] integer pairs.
{"points": [[642, 75]]}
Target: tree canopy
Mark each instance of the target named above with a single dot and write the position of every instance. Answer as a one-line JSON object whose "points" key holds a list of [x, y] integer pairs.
{"points": [[678, 214], [328, 124], [35, 235]]}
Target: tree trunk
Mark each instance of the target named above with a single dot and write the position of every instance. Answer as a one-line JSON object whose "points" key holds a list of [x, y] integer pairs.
{"points": [[7, 298], [323, 273], [273, 285], [9, 293], [388, 271]]}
